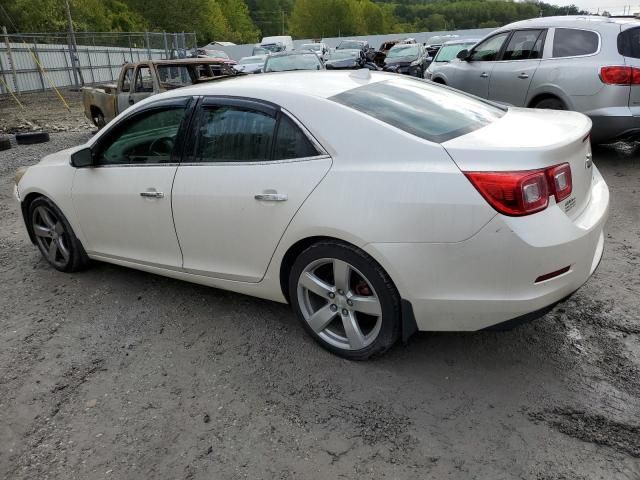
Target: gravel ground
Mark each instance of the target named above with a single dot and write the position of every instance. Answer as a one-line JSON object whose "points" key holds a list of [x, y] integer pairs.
{"points": [[114, 373]]}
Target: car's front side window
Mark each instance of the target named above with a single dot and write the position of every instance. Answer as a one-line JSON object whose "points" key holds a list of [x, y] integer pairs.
{"points": [[488, 50], [147, 138], [126, 80], [144, 81]]}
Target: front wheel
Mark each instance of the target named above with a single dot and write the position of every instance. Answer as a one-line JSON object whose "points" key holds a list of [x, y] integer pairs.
{"points": [[55, 238], [345, 300]]}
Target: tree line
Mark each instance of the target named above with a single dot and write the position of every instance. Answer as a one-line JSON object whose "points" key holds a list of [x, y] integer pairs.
{"points": [[247, 21]]}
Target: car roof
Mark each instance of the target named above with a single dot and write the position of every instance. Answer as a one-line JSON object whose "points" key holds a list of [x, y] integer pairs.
{"points": [[318, 84], [575, 21], [459, 41]]}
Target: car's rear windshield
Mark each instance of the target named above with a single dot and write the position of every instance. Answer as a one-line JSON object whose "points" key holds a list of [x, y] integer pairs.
{"points": [[422, 109]]}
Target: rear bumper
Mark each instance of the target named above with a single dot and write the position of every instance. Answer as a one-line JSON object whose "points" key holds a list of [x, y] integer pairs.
{"points": [[490, 278], [608, 128]]}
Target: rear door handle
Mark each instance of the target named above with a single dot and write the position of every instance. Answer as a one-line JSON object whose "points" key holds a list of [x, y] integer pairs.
{"points": [[523, 75], [484, 74], [152, 194], [271, 197]]}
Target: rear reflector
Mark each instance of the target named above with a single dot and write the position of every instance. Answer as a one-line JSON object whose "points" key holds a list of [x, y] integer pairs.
{"points": [[620, 75], [523, 192], [548, 276]]}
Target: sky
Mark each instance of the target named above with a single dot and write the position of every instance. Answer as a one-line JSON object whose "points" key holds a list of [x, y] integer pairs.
{"points": [[615, 7]]}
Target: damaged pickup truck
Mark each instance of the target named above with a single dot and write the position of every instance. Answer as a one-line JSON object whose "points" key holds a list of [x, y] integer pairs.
{"points": [[138, 81]]}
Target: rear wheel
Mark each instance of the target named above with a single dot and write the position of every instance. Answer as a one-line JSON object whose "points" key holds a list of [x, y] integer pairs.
{"points": [[550, 103], [55, 238], [345, 300]]}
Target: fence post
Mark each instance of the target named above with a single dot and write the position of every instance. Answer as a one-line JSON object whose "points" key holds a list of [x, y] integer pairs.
{"points": [[73, 63], [38, 62], [109, 62], [175, 43], [93, 78], [130, 51], [16, 87], [4, 79], [146, 38], [166, 50]]}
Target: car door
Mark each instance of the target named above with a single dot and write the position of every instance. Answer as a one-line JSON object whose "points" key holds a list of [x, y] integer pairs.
{"points": [[124, 90], [143, 86], [123, 201], [512, 73], [472, 74], [250, 169]]}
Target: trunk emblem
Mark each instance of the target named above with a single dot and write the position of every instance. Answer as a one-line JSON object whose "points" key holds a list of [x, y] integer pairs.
{"points": [[588, 162]]}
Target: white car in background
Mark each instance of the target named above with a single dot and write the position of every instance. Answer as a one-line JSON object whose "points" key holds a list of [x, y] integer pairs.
{"points": [[458, 219], [320, 48], [250, 64]]}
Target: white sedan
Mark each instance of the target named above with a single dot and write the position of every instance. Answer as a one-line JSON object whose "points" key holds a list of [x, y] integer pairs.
{"points": [[375, 204]]}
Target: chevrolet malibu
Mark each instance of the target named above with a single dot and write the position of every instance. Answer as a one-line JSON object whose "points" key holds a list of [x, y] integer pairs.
{"points": [[460, 215]]}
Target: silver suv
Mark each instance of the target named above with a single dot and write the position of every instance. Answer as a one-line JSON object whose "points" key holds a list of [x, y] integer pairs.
{"points": [[587, 64]]}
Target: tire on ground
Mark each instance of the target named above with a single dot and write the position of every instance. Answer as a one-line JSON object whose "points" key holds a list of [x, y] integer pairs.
{"points": [[550, 103], [78, 259], [30, 138], [381, 282], [5, 143]]}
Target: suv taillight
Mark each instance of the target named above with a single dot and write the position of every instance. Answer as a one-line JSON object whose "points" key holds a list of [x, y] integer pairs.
{"points": [[620, 75], [523, 192]]}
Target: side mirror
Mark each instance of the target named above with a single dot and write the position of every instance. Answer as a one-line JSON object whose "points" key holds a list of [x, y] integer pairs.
{"points": [[463, 54], [82, 158]]}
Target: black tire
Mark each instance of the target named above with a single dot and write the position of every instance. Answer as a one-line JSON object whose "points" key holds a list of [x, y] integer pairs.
{"points": [[30, 138], [5, 143], [383, 290], [76, 258], [550, 103]]}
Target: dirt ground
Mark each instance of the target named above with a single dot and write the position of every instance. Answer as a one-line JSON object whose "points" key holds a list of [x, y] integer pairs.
{"points": [[114, 373]]}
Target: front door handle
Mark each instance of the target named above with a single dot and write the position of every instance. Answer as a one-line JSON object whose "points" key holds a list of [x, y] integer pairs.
{"points": [[271, 197], [152, 194], [130, 101], [484, 75], [523, 75]]}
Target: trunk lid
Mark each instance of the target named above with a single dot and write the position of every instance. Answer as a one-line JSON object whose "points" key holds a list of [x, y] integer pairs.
{"points": [[530, 139]]}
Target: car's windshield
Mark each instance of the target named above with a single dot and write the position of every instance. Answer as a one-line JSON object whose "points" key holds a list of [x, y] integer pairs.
{"points": [[252, 60], [260, 51], [420, 108], [347, 44], [174, 76], [449, 52], [316, 47], [272, 47], [403, 51], [283, 63], [343, 54], [216, 54]]}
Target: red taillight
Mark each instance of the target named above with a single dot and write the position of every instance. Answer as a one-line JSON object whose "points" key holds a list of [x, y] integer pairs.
{"points": [[523, 192], [560, 181], [620, 75]]}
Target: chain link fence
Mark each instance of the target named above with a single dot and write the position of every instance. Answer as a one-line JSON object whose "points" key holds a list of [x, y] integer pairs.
{"points": [[39, 61]]}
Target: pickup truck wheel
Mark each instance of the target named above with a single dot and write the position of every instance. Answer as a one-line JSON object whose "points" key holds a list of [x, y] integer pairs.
{"points": [[30, 138], [98, 120]]}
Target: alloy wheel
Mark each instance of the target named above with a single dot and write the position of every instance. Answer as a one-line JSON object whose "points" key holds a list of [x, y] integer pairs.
{"points": [[51, 237], [339, 304]]}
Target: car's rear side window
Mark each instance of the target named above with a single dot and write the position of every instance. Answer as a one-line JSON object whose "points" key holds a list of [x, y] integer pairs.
{"points": [[629, 43], [422, 109], [570, 42]]}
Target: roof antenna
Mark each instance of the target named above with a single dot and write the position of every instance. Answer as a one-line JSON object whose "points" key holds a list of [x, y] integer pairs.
{"points": [[362, 74]]}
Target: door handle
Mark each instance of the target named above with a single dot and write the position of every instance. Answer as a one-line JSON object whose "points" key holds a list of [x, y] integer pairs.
{"points": [[523, 75], [152, 194], [271, 197], [484, 75], [131, 101]]}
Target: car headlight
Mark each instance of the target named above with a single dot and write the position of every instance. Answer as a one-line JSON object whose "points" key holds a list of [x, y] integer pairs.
{"points": [[19, 174]]}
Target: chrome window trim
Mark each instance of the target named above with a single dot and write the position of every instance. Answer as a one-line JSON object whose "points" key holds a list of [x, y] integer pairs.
{"points": [[241, 163]]}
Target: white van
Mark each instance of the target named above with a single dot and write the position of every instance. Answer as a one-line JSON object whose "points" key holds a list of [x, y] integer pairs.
{"points": [[278, 43]]}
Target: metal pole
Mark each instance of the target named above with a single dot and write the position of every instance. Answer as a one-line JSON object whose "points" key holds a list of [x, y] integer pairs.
{"points": [[130, 51], [38, 63], [109, 62], [175, 43], [73, 48], [146, 39], [166, 50], [14, 75]]}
